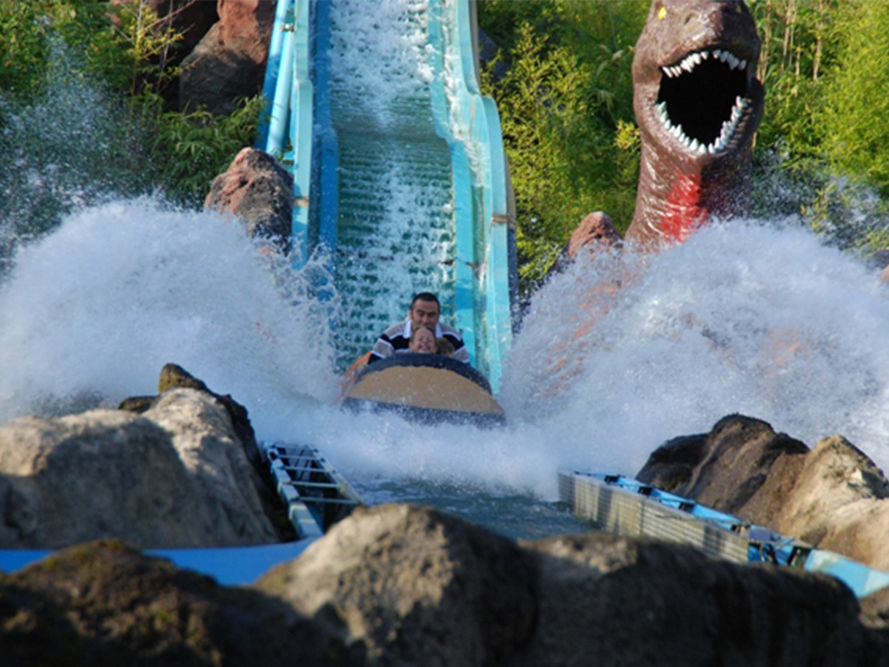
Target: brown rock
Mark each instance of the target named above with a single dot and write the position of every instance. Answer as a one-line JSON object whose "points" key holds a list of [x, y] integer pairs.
{"points": [[734, 461], [409, 586], [104, 603], [836, 500], [229, 62], [414, 587], [639, 603], [595, 233], [259, 191], [832, 497], [402, 585]]}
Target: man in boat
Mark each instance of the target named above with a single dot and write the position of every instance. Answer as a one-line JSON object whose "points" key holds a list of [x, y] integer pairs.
{"points": [[424, 311]]}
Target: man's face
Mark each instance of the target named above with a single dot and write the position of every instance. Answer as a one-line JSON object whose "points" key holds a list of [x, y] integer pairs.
{"points": [[424, 313]]}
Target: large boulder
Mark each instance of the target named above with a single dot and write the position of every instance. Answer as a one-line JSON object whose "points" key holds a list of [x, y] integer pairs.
{"points": [[105, 603], [724, 468], [636, 602], [229, 62], [258, 191], [412, 586], [174, 476], [407, 585], [833, 496]]}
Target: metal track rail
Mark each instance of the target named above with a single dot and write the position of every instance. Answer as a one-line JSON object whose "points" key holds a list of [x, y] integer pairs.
{"points": [[317, 496], [626, 506]]}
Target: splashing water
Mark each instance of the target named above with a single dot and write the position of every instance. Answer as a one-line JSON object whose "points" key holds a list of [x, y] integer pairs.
{"points": [[97, 308], [759, 319]]}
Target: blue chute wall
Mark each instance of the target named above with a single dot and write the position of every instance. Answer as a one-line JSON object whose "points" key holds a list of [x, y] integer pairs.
{"points": [[451, 126]]}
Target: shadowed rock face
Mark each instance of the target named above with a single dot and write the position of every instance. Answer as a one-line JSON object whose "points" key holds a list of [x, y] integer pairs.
{"points": [[832, 496], [697, 103]]}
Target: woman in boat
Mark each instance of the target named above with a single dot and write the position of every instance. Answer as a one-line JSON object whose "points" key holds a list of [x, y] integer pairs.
{"points": [[423, 341]]}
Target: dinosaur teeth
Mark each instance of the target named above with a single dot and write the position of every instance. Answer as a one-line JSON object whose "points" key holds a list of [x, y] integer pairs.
{"points": [[692, 60], [720, 143]]}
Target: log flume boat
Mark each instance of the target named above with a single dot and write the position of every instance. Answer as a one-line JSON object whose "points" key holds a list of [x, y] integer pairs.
{"points": [[427, 388]]}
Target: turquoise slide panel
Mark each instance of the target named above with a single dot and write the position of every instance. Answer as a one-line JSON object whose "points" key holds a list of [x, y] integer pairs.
{"points": [[310, 115]]}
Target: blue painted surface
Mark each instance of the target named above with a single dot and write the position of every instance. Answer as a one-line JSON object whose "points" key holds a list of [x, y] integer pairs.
{"points": [[766, 545], [230, 566]]}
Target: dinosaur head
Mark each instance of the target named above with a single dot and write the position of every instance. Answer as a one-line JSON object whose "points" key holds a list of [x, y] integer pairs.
{"points": [[697, 101]]}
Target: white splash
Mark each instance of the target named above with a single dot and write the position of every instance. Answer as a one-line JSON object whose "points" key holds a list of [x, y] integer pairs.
{"points": [[751, 318], [98, 307], [759, 319]]}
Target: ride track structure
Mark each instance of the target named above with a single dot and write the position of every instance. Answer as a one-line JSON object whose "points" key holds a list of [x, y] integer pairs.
{"points": [[626, 506], [315, 496], [449, 138]]}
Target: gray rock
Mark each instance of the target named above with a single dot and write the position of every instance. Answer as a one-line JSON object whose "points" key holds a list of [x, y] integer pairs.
{"points": [[833, 497], [735, 459], [635, 602], [403, 585], [414, 587], [104, 603], [173, 477]]}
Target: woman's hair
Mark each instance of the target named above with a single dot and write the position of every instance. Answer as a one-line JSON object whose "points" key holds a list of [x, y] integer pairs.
{"points": [[444, 346], [418, 328]]}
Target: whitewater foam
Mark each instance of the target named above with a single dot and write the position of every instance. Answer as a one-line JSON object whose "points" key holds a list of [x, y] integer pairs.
{"points": [[758, 319]]}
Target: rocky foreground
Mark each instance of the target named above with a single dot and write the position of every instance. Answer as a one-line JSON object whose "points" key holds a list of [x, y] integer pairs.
{"points": [[399, 584]]}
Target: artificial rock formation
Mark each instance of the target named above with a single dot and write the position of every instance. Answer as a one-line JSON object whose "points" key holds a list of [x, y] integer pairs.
{"points": [[832, 496], [229, 62], [176, 475], [259, 191], [404, 585]]}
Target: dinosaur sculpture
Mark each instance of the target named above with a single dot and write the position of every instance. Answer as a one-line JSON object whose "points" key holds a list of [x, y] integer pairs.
{"points": [[698, 104]]}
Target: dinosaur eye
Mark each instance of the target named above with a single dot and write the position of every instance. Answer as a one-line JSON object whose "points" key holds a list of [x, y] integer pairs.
{"points": [[662, 12]]}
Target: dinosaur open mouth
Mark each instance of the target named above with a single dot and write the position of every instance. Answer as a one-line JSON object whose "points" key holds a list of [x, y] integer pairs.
{"points": [[702, 100]]}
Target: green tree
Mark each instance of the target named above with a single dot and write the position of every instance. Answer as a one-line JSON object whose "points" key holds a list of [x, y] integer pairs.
{"points": [[122, 51], [566, 90], [853, 116]]}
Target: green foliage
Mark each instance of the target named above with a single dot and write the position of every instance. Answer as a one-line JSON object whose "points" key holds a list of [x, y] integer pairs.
{"points": [[822, 147], [113, 58], [203, 145], [855, 105], [27, 29], [565, 93]]}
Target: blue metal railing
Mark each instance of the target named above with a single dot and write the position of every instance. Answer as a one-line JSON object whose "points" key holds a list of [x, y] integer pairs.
{"points": [[763, 544]]}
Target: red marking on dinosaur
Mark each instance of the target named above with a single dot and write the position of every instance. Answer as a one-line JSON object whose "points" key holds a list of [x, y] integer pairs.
{"points": [[684, 211]]}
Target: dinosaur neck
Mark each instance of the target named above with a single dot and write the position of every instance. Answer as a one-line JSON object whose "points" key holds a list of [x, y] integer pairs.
{"points": [[671, 202]]}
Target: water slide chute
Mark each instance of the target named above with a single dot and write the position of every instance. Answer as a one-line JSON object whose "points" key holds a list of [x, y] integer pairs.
{"points": [[398, 165]]}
